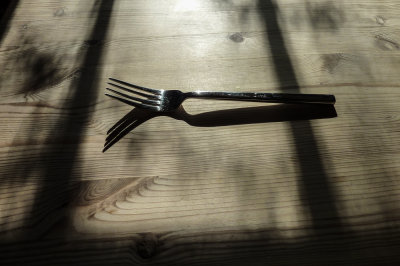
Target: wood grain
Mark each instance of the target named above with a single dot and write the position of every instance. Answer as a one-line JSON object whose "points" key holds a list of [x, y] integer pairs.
{"points": [[224, 186]]}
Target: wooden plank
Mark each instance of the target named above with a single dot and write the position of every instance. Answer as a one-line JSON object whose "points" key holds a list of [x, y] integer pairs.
{"points": [[120, 219]]}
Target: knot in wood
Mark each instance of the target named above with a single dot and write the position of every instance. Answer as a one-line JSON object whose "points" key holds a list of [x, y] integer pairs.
{"points": [[146, 246]]}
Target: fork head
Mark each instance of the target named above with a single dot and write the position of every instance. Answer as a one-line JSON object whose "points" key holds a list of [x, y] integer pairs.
{"points": [[141, 97]]}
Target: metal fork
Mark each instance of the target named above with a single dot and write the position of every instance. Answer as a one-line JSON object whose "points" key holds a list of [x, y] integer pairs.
{"points": [[166, 101]]}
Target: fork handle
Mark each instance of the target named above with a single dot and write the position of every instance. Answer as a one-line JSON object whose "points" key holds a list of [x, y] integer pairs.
{"points": [[265, 97]]}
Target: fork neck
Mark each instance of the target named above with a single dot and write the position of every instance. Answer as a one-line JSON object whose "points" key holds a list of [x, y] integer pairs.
{"points": [[219, 95], [205, 94]]}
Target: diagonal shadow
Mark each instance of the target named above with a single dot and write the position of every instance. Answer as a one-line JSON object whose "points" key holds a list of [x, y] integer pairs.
{"points": [[315, 188], [7, 9], [238, 116], [58, 159], [126, 124]]}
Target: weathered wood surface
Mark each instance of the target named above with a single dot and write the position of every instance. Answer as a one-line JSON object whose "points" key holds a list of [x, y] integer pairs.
{"points": [[236, 186]]}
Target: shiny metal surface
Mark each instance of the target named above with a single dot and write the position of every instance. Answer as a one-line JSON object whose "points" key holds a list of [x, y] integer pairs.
{"points": [[169, 100]]}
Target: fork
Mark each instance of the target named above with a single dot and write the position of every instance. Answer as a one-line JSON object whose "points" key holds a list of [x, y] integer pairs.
{"points": [[165, 101]]}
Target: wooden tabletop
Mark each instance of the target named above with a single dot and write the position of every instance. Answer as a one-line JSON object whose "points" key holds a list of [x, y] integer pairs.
{"points": [[228, 183]]}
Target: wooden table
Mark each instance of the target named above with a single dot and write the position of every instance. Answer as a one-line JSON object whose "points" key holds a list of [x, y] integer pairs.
{"points": [[228, 184]]}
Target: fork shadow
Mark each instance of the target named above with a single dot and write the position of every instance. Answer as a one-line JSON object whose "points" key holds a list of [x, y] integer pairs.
{"points": [[228, 117]]}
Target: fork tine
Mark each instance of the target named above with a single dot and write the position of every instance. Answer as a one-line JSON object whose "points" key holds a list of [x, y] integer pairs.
{"points": [[149, 102], [136, 86], [151, 96], [135, 104]]}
